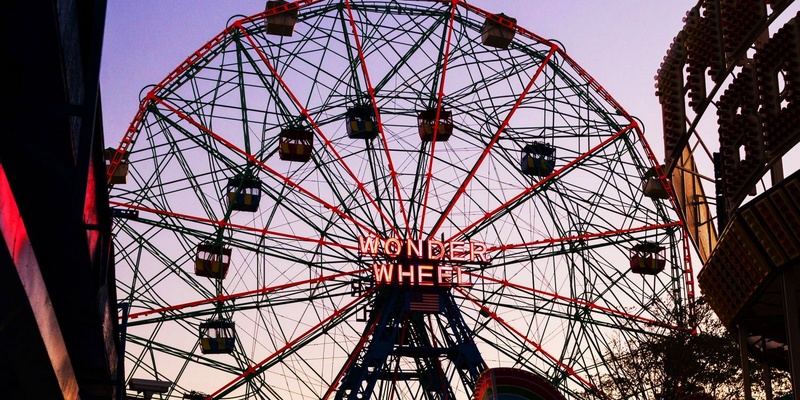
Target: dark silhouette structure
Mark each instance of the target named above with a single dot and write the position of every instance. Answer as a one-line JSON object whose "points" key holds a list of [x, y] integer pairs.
{"points": [[58, 324]]}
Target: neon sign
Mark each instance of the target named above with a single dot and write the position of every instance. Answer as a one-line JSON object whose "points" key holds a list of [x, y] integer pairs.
{"points": [[421, 262]]}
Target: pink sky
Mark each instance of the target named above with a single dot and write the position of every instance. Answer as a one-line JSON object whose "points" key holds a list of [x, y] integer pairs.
{"points": [[620, 43]]}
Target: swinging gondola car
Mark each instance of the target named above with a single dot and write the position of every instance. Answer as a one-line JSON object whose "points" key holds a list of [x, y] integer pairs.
{"points": [[120, 174], [652, 185], [295, 145], [647, 258], [538, 159], [124, 213], [244, 193], [217, 336], [282, 22], [212, 261], [194, 395], [495, 34], [427, 122], [361, 122]]}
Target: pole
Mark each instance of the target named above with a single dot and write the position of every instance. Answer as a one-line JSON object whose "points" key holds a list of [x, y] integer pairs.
{"points": [[789, 277], [748, 395], [767, 376], [121, 350]]}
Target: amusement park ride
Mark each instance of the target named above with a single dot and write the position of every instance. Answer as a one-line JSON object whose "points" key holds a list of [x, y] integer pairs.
{"points": [[389, 199]]}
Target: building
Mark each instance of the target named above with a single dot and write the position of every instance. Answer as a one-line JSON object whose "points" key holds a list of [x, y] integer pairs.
{"points": [[58, 325]]}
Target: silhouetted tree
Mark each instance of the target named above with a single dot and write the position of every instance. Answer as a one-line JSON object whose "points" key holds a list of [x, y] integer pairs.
{"points": [[685, 363]]}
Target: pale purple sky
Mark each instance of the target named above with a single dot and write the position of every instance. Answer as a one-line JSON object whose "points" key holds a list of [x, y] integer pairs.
{"points": [[620, 43]]}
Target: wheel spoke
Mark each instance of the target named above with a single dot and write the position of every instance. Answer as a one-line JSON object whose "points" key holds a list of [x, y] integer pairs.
{"points": [[386, 200]]}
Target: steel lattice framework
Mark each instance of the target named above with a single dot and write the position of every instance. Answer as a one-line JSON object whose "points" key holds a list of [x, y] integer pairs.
{"points": [[297, 311]]}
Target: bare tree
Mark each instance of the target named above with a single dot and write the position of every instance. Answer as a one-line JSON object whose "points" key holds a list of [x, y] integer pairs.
{"points": [[705, 361]]}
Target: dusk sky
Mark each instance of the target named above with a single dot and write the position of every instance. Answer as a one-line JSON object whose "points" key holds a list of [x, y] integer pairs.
{"points": [[620, 43]]}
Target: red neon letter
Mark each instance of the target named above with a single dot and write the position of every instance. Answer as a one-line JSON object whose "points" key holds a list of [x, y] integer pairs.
{"points": [[405, 271], [445, 275], [414, 250], [456, 252], [392, 247], [435, 250], [382, 272], [425, 275], [368, 245], [477, 252], [458, 280]]}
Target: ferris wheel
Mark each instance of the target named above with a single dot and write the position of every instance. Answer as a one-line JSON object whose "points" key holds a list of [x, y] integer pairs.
{"points": [[386, 199]]}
